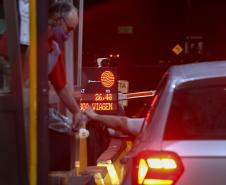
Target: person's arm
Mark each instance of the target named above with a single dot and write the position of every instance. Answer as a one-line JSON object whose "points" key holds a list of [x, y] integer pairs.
{"points": [[135, 125], [68, 99], [121, 123], [57, 78]]}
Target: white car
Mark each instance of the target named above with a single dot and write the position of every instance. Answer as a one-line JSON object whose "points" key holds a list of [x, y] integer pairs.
{"points": [[184, 140]]}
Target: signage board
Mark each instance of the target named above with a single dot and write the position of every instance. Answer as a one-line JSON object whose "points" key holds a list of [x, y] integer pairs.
{"points": [[99, 90], [123, 88], [177, 49]]}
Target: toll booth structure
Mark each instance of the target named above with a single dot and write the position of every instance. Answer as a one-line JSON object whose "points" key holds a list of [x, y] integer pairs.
{"points": [[26, 151], [13, 161]]}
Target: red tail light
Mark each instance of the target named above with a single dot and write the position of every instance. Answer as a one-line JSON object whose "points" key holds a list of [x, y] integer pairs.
{"points": [[157, 168]]}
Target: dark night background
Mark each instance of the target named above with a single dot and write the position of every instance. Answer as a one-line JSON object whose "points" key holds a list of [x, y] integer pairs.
{"points": [[157, 26]]}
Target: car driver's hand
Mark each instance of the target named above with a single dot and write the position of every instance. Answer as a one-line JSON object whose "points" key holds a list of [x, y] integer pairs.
{"points": [[90, 113]]}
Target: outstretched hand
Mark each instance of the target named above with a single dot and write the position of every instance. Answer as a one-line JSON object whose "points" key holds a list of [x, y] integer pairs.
{"points": [[90, 113]]}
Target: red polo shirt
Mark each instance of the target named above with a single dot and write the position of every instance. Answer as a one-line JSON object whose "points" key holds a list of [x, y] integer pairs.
{"points": [[57, 76]]}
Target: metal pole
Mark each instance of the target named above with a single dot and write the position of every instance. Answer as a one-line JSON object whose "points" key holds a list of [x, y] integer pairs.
{"points": [[42, 92], [33, 95], [80, 144], [83, 141], [80, 40], [38, 93]]}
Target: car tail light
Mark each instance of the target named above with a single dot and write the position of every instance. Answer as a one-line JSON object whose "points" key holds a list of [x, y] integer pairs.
{"points": [[157, 168]]}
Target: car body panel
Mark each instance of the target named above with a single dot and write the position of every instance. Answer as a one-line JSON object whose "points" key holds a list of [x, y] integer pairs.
{"points": [[203, 171], [204, 160], [197, 148]]}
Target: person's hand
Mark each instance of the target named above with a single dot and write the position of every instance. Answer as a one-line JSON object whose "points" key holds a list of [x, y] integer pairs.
{"points": [[79, 120], [90, 113], [77, 117]]}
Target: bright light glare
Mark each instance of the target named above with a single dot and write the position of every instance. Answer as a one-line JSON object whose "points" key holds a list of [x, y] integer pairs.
{"points": [[142, 171], [112, 172], [169, 164], [155, 163], [157, 182], [164, 163]]}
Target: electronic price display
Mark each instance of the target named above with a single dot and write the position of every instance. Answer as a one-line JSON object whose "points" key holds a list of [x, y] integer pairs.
{"points": [[99, 90]]}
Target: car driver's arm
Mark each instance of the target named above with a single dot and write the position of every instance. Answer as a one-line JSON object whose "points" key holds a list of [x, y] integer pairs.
{"points": [[121, 123]]}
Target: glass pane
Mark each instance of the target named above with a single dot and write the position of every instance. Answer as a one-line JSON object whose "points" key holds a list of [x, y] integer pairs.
{"points": [[198, 113], [4, 64]]}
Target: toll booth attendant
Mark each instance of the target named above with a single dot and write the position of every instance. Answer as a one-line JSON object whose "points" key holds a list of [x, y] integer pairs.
{"points": [[63, 19]]}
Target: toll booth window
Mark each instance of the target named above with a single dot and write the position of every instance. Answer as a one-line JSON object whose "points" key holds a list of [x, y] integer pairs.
{"points": [[4, 64], [197, 113]]}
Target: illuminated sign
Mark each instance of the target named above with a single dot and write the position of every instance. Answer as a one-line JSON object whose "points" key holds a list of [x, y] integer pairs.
{"points": [[99, 90], [107, 79], [177, 49]]}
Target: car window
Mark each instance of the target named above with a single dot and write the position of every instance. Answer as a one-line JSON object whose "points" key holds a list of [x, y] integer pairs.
{"points": [[155, 100], [197, 113]]}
